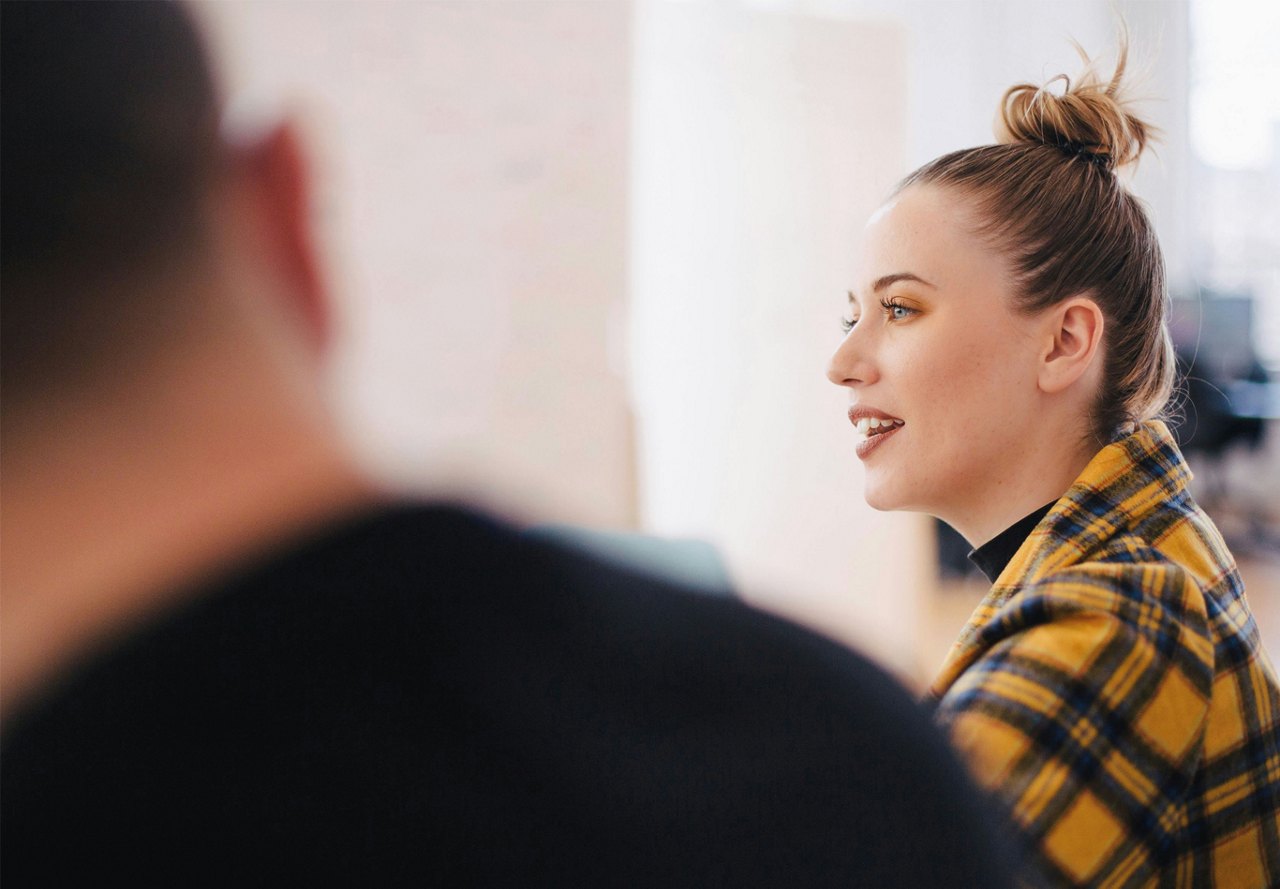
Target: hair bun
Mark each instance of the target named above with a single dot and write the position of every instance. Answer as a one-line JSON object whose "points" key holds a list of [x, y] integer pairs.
{"points": [[1090, 119]]}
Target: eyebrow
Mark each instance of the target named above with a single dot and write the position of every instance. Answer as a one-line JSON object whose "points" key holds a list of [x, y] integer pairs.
{"points": [[883, 282]]}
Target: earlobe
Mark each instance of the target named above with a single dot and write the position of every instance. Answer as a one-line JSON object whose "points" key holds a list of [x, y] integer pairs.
{"points": [[1073, 342]]}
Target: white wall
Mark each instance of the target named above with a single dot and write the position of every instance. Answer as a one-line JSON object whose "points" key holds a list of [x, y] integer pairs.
{"points": [[961, 55], [472, 165], [761, 142]]}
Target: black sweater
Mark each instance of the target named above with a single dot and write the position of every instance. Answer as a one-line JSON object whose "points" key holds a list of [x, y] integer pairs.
{"points": [[424, 697]]}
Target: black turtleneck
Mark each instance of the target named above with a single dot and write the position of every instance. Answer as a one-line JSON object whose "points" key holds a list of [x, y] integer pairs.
{"points": [[993, 555]]}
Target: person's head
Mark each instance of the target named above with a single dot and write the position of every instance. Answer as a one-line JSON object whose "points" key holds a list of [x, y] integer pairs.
{"points": [[125, 210], [162, 394], [1037, 331]]}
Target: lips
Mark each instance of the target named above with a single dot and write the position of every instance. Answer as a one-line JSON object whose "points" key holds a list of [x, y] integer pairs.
{"points": [[874, 426], [871, 442]]}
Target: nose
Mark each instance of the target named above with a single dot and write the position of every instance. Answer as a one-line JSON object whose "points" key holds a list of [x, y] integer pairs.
{"points": [[850, 365]]}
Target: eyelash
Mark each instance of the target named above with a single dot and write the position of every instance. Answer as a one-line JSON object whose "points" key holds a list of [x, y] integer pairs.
{"points": [[889, 305]]}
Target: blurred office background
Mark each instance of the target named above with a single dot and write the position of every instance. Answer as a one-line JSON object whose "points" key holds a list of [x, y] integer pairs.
{"points": [[589, 258]]}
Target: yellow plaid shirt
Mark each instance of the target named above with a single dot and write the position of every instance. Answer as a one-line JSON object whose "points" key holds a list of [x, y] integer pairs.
{"points": [[1112, 690]]}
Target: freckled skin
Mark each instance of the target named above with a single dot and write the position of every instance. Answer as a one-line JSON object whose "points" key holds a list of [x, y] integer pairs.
{"points": [[958, 363]]}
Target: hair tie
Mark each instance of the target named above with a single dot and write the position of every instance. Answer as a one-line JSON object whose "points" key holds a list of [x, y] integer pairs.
{"points": [[1084, 150]]}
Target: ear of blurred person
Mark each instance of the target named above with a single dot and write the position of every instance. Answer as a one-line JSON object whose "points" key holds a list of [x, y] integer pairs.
{"points": [[264, 212]]}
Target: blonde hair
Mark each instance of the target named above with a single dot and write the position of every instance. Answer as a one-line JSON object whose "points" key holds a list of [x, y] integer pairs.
{"points": [[1047, 196]]}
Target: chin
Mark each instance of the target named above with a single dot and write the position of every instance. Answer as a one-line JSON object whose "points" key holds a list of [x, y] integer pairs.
{"points": [[878, 498], [897, 495]]}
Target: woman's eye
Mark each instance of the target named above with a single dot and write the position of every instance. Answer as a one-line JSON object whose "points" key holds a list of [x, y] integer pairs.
{"points": [[847, 324], [896, 311]]}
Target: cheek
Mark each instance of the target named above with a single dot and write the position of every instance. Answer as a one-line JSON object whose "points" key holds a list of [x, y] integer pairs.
{"points": [[976, 353], [982, 400], [962, 391], [947, 378]]}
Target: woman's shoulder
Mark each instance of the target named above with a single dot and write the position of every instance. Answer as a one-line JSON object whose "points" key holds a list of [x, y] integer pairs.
{"points": [[1128, 578], [1127, 572], [1115, 634], [1127, 597]]}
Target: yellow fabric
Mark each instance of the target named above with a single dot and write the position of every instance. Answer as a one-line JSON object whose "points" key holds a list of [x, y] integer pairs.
{"points": [[1112, 691]]}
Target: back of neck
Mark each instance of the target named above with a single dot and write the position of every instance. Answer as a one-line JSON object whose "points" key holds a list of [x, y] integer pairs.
{"points": [[114, 507]]}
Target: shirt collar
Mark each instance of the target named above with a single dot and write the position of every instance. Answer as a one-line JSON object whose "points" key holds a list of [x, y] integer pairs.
{"points": [[993, 555]]}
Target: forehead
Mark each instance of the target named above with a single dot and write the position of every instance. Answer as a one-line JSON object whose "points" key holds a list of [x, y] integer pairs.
{"points": [[928, 232]]}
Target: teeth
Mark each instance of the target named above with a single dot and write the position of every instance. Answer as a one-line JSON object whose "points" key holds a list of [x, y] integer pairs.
{"points": [[865, 425]]}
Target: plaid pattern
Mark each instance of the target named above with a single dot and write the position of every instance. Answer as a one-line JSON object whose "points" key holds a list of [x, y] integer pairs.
{"points": [[1112, 691]]}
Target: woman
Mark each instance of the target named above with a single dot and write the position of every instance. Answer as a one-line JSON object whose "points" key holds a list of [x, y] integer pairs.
{"points": [[1007, 359]]}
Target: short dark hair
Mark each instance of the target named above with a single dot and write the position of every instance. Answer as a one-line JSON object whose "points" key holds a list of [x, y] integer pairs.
{"points": [[109, 135]]}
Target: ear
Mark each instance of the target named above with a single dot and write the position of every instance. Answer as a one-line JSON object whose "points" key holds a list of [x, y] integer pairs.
{"points": [[274, 170], [1073, 340]]}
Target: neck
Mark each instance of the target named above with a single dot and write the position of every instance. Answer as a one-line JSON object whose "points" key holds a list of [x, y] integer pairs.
{"points": [[1037, 472], [116, 505]]}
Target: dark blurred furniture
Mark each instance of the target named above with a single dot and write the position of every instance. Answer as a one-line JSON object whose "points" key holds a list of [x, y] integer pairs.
{"points": [[1225, 398]]}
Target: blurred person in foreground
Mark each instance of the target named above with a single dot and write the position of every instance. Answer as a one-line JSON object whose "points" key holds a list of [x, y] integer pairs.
{"points": [[227, 659]]}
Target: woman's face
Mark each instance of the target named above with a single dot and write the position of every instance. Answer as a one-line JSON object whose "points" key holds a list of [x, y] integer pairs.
{"points": [[938, 354]]}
